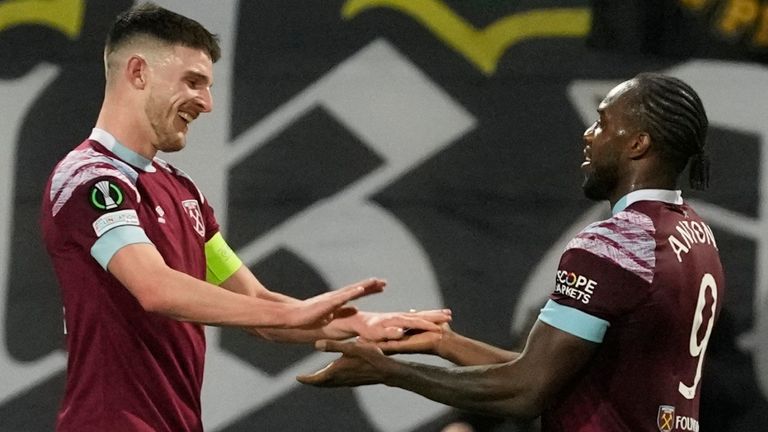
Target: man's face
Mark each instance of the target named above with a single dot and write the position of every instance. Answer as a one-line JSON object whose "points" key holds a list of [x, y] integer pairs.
{"points": [[180, 89], [604, 142]]}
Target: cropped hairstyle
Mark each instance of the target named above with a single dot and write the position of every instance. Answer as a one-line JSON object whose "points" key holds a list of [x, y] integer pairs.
{"points": [[148, 19]]}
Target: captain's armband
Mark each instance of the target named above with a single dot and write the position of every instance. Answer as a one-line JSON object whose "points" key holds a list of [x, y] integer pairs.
{"points": [[220, 260]]}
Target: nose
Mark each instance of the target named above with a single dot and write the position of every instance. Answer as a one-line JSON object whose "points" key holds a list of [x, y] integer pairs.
{"points": [[205, 99], [590, 132]]}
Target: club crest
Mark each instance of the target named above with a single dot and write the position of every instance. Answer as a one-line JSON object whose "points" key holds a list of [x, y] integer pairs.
{"points": [[665, 420], [192, 208]]}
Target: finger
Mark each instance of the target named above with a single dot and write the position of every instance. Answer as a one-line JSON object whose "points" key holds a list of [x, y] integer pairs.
{"points": [[435, 315], [371, 285], [315, 378], [438, 316], [327, 345], [400, 346], [412, 323], [312, 379], [348, 293], [392, 346], [328, 303]]}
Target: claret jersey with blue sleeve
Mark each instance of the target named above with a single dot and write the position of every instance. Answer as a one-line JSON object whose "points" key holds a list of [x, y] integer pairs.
{"points": [[647, 285], [128, 369]]}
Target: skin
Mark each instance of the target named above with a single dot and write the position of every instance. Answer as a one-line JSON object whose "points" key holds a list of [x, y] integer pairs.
{"points": [[153, 92], [619, 158]]}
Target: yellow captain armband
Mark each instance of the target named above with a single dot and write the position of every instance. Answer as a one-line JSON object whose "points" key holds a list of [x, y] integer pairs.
{"points": [[220, 260]]}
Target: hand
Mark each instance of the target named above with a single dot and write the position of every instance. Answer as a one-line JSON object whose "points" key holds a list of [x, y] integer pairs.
{"points": [[362, 363], [418, 342], [377, 326], [320, 310]]}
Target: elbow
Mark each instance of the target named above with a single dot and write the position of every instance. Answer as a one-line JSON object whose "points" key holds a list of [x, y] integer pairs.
{"points": [[153, 301], [525, 404], [530, 408], [153, 295], [534, 401], [519, 408]]}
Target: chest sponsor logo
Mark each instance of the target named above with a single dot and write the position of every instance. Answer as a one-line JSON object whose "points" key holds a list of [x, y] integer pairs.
{"points": [[575, 286], [115, 219], [192, 208], [106, 195]]}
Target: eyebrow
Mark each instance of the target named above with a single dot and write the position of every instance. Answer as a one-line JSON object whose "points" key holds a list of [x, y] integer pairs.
{"points": [[199, 77]]}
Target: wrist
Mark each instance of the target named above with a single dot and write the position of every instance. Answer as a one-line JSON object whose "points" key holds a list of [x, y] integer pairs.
{"points": [[445, 345], [394, 373], [346, 327]]}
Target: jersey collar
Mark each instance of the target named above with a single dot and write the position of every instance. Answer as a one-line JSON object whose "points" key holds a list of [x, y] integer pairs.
{"points": [[112, 144], [663, 195]]}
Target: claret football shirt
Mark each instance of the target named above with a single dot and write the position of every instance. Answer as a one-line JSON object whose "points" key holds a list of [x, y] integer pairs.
{"points": [[647, 285], [128, 370]]}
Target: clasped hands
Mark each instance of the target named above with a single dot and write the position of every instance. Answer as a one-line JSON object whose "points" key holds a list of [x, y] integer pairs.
{"points": [[365, 361]]}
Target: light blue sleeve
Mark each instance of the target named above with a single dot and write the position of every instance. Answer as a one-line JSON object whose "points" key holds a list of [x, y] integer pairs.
{"points": [[113, 240], [574, 321]]}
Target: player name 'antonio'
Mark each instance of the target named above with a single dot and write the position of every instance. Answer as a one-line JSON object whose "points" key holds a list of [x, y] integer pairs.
{"points": [[691, 233]]}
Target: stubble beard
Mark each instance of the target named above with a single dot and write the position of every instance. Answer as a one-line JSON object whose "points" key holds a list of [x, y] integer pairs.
{"points": [[599, 183], [167, 138]]}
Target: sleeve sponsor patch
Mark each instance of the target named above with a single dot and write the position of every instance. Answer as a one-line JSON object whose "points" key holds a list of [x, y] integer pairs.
{"points": [[115, 219]]}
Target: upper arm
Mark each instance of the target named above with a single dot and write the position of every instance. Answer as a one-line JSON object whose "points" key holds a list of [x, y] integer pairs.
{"points": [[139, 267], [551, 358]]}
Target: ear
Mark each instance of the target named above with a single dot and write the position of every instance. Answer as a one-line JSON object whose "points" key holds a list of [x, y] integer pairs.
{"points": [[640, 145], [136, 71]]}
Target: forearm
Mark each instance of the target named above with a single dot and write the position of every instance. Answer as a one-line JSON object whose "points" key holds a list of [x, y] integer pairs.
{"points": [[163, 290], [485, 389], [185, 298], [246, 284], [340, 328], [464, 351]]}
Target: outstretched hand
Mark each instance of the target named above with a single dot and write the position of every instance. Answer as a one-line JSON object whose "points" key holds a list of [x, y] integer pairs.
{"points": [[361, 363], [417, 341], [383, 326], [319, 310]]}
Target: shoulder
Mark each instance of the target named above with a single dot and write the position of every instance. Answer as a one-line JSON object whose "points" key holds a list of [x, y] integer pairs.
{"points": [[626, 239], [83, 166], [181, 176]]}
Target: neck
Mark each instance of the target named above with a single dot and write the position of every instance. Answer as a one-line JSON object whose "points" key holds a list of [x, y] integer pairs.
{"points": [[126, 123], [638, 183]]}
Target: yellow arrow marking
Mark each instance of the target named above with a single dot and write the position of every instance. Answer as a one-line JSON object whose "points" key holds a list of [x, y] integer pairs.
{"points": [[483, 47], [65, 16]]}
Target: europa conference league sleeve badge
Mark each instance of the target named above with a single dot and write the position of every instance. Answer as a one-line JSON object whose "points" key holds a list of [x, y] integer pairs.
{"points": [[105, 195]]}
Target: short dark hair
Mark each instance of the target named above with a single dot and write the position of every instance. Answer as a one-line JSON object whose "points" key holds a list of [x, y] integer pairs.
{"points": [[151, 20], [672, 113]]}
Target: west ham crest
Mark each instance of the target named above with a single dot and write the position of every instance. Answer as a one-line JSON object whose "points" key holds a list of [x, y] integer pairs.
{"points": [[193, 210], [665, 420]]}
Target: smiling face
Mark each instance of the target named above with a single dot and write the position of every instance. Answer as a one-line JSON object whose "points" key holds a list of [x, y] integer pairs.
{"points": [[604, 144], [179, 91]]}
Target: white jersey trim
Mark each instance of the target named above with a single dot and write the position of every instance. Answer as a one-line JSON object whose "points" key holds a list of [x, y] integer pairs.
{"points": [[663, 195]]}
